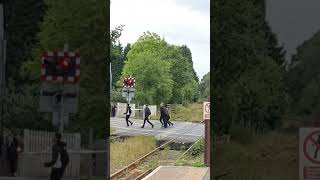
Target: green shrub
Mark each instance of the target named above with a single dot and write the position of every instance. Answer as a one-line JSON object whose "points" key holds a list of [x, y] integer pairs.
{"points": [[197, 148]]}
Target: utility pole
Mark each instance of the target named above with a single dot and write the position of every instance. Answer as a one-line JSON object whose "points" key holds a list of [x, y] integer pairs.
{"points": [[2, 63]]}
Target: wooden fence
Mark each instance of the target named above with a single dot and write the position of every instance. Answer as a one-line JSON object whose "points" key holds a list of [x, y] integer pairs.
{"points": [[37, 151]]}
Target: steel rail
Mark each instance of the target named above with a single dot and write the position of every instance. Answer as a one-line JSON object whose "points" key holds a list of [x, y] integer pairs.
{"points": [[137, 162]]}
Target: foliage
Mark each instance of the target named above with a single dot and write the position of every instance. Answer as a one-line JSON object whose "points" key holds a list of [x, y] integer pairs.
{"points": [[118, 54], [163, 73], [197, 148], [84, 30], [303, 79], [204, 86], [22, 25], [21, 108], [247, 82], [186, 53], [258, 98], [153, 79], [116, 96]]}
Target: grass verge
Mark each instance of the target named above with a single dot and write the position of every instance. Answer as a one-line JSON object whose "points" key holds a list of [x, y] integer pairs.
{"points": [[122, 153], [272, 156]]}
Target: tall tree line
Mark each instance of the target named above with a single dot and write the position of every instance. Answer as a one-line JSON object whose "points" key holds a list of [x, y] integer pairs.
{"points": [[247, 77]]}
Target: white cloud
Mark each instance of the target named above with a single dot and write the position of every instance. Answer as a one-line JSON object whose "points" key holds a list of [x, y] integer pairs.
{"points": [[178, 23]]}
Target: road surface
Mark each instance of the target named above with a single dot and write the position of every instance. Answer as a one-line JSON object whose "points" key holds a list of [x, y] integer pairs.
{"points": [[182, 131]]}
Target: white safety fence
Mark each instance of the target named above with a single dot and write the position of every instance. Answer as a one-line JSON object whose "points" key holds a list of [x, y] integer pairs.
{"points": [[37, 151]]}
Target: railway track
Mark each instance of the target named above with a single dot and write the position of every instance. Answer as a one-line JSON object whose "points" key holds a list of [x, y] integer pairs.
{"points": [[141, 167]]}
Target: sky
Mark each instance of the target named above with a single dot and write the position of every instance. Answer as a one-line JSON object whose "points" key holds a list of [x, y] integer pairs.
{"points": [[178, 21], [294, 21]]}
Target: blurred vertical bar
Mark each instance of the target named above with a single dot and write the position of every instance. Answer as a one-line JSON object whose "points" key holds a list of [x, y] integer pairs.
{"points": [[109, 88], [2, 65]]}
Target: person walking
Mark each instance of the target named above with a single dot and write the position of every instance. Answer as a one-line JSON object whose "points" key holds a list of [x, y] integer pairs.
{"points": [[162, 114], [168, 115], [13, 150], [147, 113], [128, 114], [60, 158]]}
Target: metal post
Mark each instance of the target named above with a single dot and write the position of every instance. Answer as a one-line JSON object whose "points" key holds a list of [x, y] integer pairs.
{"points": [[2, 64], [207, 143], [128, 96], [61, 128], [61, 113]]}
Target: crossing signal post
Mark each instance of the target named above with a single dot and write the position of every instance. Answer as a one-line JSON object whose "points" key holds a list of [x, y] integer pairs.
{"points": [[60, 75], [129, 84]]}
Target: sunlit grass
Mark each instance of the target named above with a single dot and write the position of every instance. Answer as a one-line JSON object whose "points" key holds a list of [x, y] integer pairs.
{"points": [[189, 160], [191, 112], [124, 153]]}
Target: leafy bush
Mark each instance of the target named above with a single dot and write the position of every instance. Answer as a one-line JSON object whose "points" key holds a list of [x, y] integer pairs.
{"points": [[197, 148]]}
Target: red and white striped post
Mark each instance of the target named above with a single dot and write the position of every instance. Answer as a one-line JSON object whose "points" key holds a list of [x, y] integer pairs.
{"points": [[206, 118]]}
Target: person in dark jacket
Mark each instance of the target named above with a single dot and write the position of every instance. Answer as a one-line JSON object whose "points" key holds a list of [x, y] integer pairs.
{"points": [[162, 114], [60, 158], [167, 114], [128, 114], [147, 113], [13, 155]]}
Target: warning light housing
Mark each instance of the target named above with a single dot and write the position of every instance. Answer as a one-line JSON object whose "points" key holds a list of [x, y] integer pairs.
{"points": [[129, 82]]}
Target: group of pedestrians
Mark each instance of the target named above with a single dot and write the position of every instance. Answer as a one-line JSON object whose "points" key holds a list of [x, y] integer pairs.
{"points": [[164, 116]]}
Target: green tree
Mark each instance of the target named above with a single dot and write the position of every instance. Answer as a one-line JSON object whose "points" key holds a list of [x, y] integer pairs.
{"points": [[22, 25], [204, 86], [153, 79], [243, 63], [184, 86], [186, 52], [84, 29], [303, 79]]}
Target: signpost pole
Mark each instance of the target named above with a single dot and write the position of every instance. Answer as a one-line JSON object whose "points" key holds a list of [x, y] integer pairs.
{"points": [[206, 118], [61, 128]]}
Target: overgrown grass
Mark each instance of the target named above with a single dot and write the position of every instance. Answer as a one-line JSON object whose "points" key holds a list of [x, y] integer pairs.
{"points": [[187, 112], [194, 157], [191, 160], [272, 156], [124, 153], [190, 112]]}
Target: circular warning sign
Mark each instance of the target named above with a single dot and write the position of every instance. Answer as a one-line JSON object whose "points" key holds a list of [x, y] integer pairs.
{"points": [[207, 108], [311, 147]]}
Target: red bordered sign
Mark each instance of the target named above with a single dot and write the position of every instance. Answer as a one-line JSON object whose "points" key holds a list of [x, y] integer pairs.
{"points": [[60, 67], [311, 141]]}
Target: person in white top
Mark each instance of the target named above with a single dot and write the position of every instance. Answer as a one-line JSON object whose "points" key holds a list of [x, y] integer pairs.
{"points": [[60, 158]]}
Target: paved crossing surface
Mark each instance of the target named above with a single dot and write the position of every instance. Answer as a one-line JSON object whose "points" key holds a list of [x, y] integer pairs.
{"points": [[182, 131]]}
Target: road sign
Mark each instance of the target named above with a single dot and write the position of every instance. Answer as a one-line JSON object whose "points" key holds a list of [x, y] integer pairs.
{"points": [[48, 94], [206, 110], [309, 153]]}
